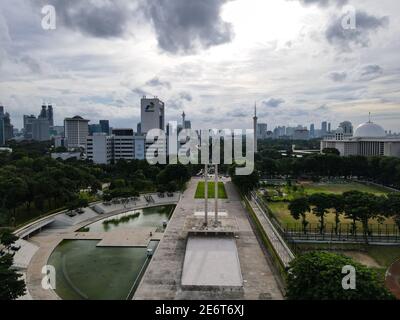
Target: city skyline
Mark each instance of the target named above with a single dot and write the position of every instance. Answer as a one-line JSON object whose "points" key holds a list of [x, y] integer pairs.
{"points": [[214, 67]]}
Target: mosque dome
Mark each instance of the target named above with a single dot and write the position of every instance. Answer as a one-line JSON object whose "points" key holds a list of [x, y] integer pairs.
{"points": [[369, 130]]}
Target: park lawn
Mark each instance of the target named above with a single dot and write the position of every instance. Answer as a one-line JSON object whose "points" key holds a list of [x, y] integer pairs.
{"points": [[282, 213], [211, 190], [339, 188]]}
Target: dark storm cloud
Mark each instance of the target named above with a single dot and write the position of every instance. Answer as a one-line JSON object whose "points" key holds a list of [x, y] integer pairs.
{"points": [[273, 103], [103, 19], [345, 39], [338, 76], [182, 26], [156, 82]]}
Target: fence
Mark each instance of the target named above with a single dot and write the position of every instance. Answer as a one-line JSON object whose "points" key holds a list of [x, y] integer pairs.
{"points": [[378, 233]]}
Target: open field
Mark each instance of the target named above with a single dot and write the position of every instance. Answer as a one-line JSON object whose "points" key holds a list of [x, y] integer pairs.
{"points": [[282, 213], [282, 196], [339, 188], [211, 190]]}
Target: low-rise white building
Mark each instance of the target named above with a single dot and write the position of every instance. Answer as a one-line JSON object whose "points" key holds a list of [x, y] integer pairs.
{"points": [[369, 139], [123, 144]]}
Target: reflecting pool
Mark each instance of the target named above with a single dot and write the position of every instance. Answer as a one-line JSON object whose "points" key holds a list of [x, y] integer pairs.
{"points": [[147, 217]]}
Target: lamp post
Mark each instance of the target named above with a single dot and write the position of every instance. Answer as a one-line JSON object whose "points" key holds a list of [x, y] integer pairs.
{"points": [[206, 195], [216, 196]]}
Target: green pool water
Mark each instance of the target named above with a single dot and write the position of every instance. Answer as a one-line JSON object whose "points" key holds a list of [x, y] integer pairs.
{"points": [[147, 217], [84, 271]]}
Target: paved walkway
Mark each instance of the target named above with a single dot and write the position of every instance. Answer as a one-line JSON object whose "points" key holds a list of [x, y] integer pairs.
{"points": [[47, 240], [280, 246], [162, 279]]}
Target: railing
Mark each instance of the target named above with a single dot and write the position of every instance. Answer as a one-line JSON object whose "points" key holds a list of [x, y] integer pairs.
{"points": [[385, 234], [277, 241]]}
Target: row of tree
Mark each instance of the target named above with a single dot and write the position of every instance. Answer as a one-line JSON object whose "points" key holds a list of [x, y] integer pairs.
{"points": [[31, 183], [354, 205], [383, 170]]}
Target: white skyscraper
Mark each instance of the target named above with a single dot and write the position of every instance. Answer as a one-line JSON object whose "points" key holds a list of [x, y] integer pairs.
{"points": [[152, 114]]}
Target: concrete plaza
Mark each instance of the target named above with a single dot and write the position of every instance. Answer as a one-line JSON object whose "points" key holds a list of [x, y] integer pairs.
{"points": [[162, 279]]}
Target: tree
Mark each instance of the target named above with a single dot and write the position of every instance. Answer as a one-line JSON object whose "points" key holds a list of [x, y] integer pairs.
{"points": [[361, 206], [321, 203], [318, 276], [393, 207], [8, 239], [11, 284], [244, 183], [298, 208], [331, 151], [337, 204]]}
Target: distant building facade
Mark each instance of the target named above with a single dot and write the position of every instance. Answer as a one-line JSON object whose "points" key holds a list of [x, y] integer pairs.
{"points": [[6, 128], [152, 114], [76, 131], [369, 139]]}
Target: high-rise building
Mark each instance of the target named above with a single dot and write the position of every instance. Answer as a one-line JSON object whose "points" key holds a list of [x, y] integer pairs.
{"points": [[347, 127], [324, 128], [50, 115], [76, 130], [262, 129], [312, 130], [152, 114], [28, 126], [105, 126], [6, 128], [40, 129], [329, 127]]}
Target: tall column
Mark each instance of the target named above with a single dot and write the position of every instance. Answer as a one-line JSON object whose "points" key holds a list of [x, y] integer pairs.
{"points": [[216, 195], [206, 195], [255, 128]]}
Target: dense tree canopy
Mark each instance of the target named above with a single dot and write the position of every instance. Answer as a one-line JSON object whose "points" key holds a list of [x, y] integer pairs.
{"points": [[318, 276]]}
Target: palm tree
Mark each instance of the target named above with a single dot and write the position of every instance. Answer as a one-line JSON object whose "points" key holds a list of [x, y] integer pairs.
{"points": [[298, 208]]}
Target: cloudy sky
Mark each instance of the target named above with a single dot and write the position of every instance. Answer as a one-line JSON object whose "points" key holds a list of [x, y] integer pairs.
{"points": [[211, 58]]}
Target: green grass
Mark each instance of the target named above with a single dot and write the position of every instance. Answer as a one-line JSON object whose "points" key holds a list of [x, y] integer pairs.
{"points": [[339, 188], [211, 190], [280, 208], [281, 212]]}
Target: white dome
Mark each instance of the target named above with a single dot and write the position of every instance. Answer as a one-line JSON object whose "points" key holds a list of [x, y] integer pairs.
{"points": [[369, 130]]}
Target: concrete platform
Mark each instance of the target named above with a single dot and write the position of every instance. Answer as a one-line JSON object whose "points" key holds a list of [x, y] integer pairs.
{"points": [[135, 237], [211, 262], [162, 279]]}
